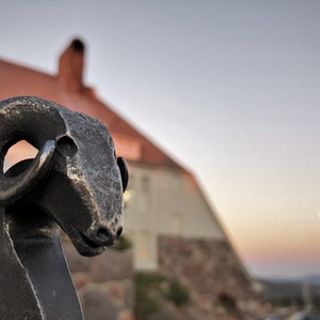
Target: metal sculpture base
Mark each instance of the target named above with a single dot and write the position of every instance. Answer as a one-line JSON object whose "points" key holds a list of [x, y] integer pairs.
{"points": [[35, 282]]}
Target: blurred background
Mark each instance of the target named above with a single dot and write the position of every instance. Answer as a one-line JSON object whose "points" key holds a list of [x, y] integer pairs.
{"points": [[215, 105]]}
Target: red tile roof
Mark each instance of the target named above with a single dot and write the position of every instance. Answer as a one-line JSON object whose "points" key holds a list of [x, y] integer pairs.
{"points": [[18, 80]]}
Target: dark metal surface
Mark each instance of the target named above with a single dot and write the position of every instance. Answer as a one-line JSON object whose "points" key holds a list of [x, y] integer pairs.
{"points": [[75, 183]]}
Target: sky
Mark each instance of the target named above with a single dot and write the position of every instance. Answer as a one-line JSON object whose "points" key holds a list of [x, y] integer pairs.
{"points": [[229, 88]]}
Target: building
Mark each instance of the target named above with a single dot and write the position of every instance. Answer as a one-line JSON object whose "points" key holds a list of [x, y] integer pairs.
{"points": [[168, 219]]}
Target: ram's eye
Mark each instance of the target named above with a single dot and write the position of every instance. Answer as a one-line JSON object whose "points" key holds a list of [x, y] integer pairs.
{"points": [[67, 146]]}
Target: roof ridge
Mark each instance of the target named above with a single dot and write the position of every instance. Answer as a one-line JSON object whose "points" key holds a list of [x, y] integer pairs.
{"points": [[85, 101], [29, 68]]}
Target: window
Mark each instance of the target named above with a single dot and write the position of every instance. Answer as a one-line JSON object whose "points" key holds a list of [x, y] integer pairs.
{"points": [[146, 250], [145, 198], [177, 223], [145, 184]]}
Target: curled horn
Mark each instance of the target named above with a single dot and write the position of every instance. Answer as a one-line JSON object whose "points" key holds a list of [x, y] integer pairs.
{"points": [[36, 121]]}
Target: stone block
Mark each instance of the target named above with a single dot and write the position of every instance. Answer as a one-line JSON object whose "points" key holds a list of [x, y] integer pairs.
{"points": [[121, 293], [126, 315], [112, 265], [80, 279], [96, 304]]}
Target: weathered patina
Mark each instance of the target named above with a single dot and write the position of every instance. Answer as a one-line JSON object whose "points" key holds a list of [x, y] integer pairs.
{"points": [[75, 183]]}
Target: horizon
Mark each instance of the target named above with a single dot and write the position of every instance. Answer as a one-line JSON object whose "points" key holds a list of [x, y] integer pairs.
{"points": [[245, 76]]}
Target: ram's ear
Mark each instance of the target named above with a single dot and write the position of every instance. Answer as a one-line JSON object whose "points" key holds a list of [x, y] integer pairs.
{"points": [[16, 186], [122, 164]]}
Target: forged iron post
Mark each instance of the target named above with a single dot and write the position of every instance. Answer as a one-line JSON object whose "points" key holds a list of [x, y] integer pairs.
{"points": [[75, 183]]}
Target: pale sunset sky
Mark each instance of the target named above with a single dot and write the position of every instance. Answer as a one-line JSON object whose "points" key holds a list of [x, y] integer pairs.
{"points": [[229, 88]]}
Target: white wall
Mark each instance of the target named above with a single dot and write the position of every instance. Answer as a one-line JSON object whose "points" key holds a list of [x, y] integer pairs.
{"points": [[167, 202]]}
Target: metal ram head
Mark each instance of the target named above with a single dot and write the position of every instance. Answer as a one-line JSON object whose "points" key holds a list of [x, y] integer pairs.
{"points": [[76, 178]]}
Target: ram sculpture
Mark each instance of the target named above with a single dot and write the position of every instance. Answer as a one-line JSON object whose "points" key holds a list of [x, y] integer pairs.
{"points": [[75, 183]]}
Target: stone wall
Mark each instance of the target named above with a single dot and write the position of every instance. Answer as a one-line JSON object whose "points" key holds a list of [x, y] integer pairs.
{"points": [[209, 269], [104, 283]]}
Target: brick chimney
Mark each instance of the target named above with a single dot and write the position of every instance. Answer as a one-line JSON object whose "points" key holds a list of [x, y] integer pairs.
{"points": [[71, 64]]}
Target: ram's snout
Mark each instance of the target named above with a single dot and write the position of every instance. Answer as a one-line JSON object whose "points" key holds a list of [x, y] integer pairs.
{"points": [[98, 220], [103, 236]]}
